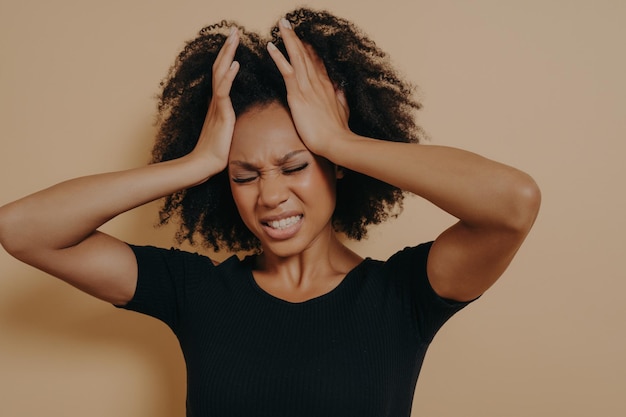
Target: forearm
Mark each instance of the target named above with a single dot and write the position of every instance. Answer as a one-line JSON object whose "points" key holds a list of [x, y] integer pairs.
{"points": [[64, 214], [478, 191]]}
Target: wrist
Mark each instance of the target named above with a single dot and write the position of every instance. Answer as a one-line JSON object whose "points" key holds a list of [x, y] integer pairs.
{"points": [[199, 168], [339, 149]]}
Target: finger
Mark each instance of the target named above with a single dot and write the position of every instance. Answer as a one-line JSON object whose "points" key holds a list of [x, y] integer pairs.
{"points": [[230, 45], [316, 63], [308, 66], [283, 65], [226, 54], [293, 44], [299, 56], [225, 68], [222, 86]]}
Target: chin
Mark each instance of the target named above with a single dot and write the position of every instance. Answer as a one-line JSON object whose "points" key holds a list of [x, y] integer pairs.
{"points": [[285, 248]]}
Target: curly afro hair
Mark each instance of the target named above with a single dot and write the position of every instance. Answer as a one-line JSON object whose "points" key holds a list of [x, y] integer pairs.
{"points": [[382, 106]]}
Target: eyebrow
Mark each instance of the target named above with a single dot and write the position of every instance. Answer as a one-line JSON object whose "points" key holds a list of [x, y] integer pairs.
{"points": [[279, 161]]}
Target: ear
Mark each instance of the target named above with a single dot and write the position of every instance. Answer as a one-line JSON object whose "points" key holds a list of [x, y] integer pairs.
{"points": [[339, 172]]}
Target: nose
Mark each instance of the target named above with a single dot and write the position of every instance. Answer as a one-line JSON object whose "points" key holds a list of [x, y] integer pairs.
{"points": [[272, 190]]}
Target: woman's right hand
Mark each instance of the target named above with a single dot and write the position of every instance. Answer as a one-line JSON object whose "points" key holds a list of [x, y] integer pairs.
{"points": [[55, 230], [215, 138]]}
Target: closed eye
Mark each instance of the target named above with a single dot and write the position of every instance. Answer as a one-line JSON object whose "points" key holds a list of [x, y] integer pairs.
{"points": [[293, 170], [243, 180]]}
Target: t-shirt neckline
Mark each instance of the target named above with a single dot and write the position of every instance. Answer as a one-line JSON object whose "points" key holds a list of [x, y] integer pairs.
{"points": [[249, 261]]}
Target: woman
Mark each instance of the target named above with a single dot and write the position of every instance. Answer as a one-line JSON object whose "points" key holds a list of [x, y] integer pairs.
{"points": [[295, 143]]}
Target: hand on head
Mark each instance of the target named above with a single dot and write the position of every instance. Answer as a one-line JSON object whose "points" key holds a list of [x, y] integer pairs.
{"points": [[217, 130], [318, 107]]}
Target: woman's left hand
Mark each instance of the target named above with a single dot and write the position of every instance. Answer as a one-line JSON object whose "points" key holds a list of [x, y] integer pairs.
{"points": [[318, 107]]}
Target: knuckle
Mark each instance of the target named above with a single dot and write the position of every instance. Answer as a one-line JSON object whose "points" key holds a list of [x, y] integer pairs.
{"points": [[289, 74]]}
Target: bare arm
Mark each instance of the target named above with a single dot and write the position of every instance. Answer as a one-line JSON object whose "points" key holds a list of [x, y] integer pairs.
{"points": [[55, 229], [496, 204]]}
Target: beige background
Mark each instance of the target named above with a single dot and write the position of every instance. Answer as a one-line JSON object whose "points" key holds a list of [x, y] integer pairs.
{"points": [[537, 84]]}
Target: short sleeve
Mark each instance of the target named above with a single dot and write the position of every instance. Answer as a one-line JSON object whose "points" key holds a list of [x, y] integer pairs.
{"points": [[164, 279], [429, 310]]}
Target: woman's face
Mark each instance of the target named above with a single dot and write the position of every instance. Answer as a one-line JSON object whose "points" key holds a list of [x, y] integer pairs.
{"points": [[284, 193]]}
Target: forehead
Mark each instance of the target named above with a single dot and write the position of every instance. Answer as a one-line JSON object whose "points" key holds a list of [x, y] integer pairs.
{"points": [[263, 133]]}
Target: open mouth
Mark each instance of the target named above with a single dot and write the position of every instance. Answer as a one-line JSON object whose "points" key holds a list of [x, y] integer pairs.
{"points": [[284, 223]]}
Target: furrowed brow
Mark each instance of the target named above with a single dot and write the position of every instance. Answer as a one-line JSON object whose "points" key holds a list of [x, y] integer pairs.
{"points": [[280, 161], [245, 165], [288, 156]]}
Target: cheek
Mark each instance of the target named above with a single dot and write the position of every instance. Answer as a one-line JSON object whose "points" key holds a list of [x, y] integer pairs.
{"points": [[319, 185], [242, 197]]}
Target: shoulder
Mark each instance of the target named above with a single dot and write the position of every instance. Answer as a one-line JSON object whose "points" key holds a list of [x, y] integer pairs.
{"points": [[410, 259], [404, 269], [403, 278], [408, 268], [153, 260], [166, 275]]}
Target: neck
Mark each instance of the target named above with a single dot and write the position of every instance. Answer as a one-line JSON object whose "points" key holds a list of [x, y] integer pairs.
{"points": [[323, 260]]}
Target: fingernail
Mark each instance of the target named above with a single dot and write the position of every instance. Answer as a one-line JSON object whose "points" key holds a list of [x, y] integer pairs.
{"points": [[285, 23], [271, 46]]}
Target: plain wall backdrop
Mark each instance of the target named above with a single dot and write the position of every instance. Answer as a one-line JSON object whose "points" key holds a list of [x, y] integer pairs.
{"points": [[537, 84]]}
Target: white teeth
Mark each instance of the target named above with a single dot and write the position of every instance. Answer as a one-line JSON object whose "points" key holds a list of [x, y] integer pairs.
{"points": [[284, 223]]}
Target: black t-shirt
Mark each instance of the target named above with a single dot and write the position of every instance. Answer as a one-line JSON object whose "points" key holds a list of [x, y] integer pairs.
{"points": [[355, 351]]}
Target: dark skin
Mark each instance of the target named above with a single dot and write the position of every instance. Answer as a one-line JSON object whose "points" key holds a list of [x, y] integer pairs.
{"points": [[55, 229]]}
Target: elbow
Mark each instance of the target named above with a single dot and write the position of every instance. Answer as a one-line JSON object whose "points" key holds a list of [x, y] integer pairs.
{"points": [[4, 227], [9, 233], [525, 203]]}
